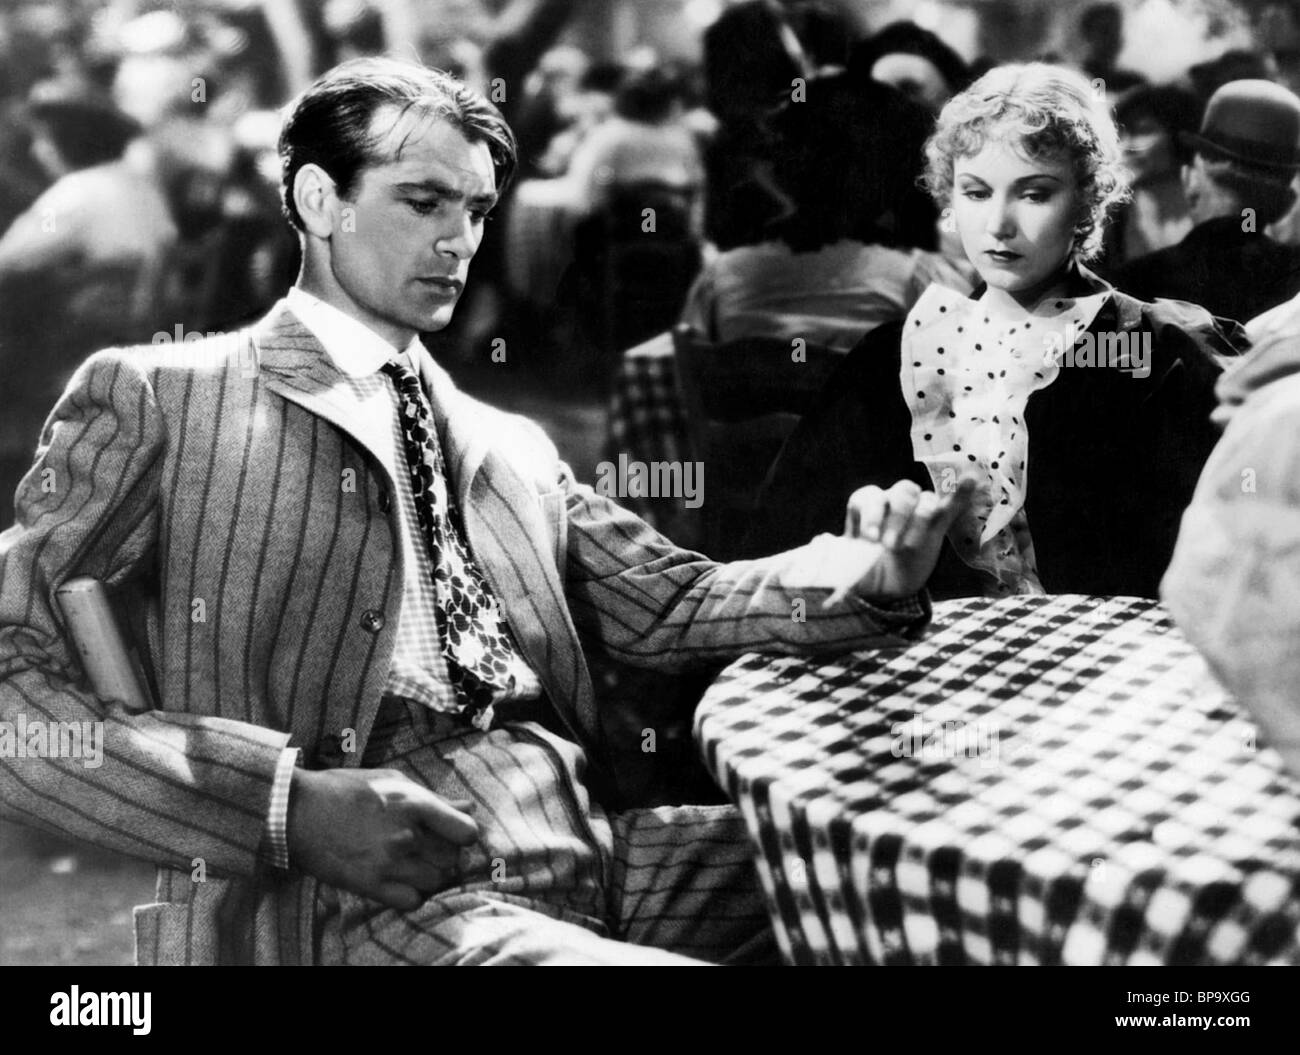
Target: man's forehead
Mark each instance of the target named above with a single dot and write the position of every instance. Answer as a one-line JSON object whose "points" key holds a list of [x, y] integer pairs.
{"points": [[414, 139]]}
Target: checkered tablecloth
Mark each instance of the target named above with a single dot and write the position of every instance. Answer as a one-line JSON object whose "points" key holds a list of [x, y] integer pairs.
{"points": [[1041, 780], [645, 414], [647, 423]]}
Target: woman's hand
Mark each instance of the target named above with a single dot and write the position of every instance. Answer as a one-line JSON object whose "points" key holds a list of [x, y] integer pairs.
{"points": [[901, 531]]}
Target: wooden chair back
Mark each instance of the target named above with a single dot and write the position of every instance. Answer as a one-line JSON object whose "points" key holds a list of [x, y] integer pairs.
{"points": [[742, 399]]}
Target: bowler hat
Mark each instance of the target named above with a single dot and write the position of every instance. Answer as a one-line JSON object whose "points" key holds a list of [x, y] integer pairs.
{"points": [[1254, 122]]}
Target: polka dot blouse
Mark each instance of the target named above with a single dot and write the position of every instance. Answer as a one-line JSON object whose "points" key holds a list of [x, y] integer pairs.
{"points": [[967, 375]]}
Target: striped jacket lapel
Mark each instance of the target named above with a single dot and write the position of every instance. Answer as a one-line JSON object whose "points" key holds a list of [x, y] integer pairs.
{"points": [[297, 367]]}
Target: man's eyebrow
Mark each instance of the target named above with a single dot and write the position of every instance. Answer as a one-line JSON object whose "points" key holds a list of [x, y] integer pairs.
{"points": [[446, 190]]}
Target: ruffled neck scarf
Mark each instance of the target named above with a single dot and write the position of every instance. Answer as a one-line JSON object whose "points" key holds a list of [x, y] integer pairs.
{"points": [[967, 374]]}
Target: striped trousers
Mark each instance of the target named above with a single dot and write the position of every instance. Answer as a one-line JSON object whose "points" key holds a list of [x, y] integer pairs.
{"points": [[553, 879]]}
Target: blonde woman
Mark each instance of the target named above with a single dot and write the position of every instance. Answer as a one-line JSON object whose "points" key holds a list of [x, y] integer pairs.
{"points": [[1083, 413]]}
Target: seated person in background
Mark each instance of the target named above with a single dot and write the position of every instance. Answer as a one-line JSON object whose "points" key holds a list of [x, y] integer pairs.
{"points": [[1102, 28], [1084, 412], [83, 267], [828, 272], [914, 61], [1238, 182], [1233, 586], [1152, 122], [646, 140]]}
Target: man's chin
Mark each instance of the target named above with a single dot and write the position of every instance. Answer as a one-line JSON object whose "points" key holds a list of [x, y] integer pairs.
{"points": [[439, 320]]}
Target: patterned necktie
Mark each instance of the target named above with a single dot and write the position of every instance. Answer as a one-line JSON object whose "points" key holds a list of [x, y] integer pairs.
{"points": [[480, 656]]}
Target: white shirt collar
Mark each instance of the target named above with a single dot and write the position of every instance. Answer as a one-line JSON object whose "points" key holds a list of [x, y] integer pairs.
{"points": [[355, 349]]}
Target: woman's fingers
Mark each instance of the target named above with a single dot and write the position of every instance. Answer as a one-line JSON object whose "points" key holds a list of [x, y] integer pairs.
{"points": [[900, 502], [863, 515], [881, 516], [927, 514]]}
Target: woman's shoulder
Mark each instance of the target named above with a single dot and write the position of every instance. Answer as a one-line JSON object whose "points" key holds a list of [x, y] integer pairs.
{"points": [[1179, 329], [878, 349]]}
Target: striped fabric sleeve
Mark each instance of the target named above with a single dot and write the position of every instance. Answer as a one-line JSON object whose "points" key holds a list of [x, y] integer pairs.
{"points": [[649, 603], [168, 787]]}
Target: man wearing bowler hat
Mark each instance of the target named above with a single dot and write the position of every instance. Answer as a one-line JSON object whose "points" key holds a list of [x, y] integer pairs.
{"points": [[1238, 182]]}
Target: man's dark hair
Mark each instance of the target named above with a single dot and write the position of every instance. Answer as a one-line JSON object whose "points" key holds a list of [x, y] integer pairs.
{"points": [[1176, 110], [329, 123], [647, 96]]}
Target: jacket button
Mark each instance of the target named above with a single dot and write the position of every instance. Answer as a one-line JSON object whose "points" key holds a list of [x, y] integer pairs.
{"points": [[372, 620], [329, 751]]}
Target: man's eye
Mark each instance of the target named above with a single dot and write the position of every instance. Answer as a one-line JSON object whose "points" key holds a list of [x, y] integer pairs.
{"points": [[481, 215], [422, 208]]}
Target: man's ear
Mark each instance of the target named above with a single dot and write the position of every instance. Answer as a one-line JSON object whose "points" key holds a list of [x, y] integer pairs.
{"points": [[316, 197]]}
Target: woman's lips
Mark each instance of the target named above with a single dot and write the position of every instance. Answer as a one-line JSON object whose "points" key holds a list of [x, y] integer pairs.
{"points": [[1002, 256]]}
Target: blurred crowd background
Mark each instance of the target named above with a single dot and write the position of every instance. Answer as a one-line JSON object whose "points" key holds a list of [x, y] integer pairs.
{"points": [[139, 181]]}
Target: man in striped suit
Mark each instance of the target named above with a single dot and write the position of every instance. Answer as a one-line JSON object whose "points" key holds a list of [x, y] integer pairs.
{"points": [[375, 731]]}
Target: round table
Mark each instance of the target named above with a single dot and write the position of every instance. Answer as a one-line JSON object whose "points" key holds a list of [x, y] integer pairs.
{"points": [[1040, 780]]}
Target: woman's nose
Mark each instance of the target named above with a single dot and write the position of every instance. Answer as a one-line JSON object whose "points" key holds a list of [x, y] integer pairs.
{"points": [[1001, 218]]}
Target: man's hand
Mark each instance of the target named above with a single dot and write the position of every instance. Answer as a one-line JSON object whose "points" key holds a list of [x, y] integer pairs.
{"points": [[376, 833], [901, 532]]}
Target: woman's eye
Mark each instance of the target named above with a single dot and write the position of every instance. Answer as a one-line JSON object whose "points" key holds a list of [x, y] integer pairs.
{"points": [[1037, 196], [975, 194]]}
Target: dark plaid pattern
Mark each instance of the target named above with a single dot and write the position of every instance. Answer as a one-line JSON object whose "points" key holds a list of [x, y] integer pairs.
{"points": [[645, 414], [482, 662], [1107, 805], [648, 423]]}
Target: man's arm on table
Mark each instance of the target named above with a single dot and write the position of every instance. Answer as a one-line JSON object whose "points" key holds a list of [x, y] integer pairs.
{"points": [[649, 603]]}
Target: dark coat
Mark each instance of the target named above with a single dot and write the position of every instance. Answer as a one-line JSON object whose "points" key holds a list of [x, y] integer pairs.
{"points": [[1113, 458], [1232, 273]]}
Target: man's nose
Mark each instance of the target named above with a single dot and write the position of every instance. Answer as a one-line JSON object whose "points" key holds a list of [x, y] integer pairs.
{"points": [[460, 238]]}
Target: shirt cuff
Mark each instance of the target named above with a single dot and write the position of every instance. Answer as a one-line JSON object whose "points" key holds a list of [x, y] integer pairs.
{"points": [[277, 820]]}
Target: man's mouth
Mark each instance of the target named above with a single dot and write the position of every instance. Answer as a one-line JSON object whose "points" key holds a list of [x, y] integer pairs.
{"points": [[448, 286]]}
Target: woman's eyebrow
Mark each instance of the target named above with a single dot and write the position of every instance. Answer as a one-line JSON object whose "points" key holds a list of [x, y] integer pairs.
{"points": [[1019, 181]]}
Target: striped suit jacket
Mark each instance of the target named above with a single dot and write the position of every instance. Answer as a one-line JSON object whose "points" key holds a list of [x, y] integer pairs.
{"points": [[252, 539]]}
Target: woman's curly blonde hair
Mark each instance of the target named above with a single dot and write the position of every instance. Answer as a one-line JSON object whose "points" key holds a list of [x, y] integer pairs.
{"points": [[1047, 111]]}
